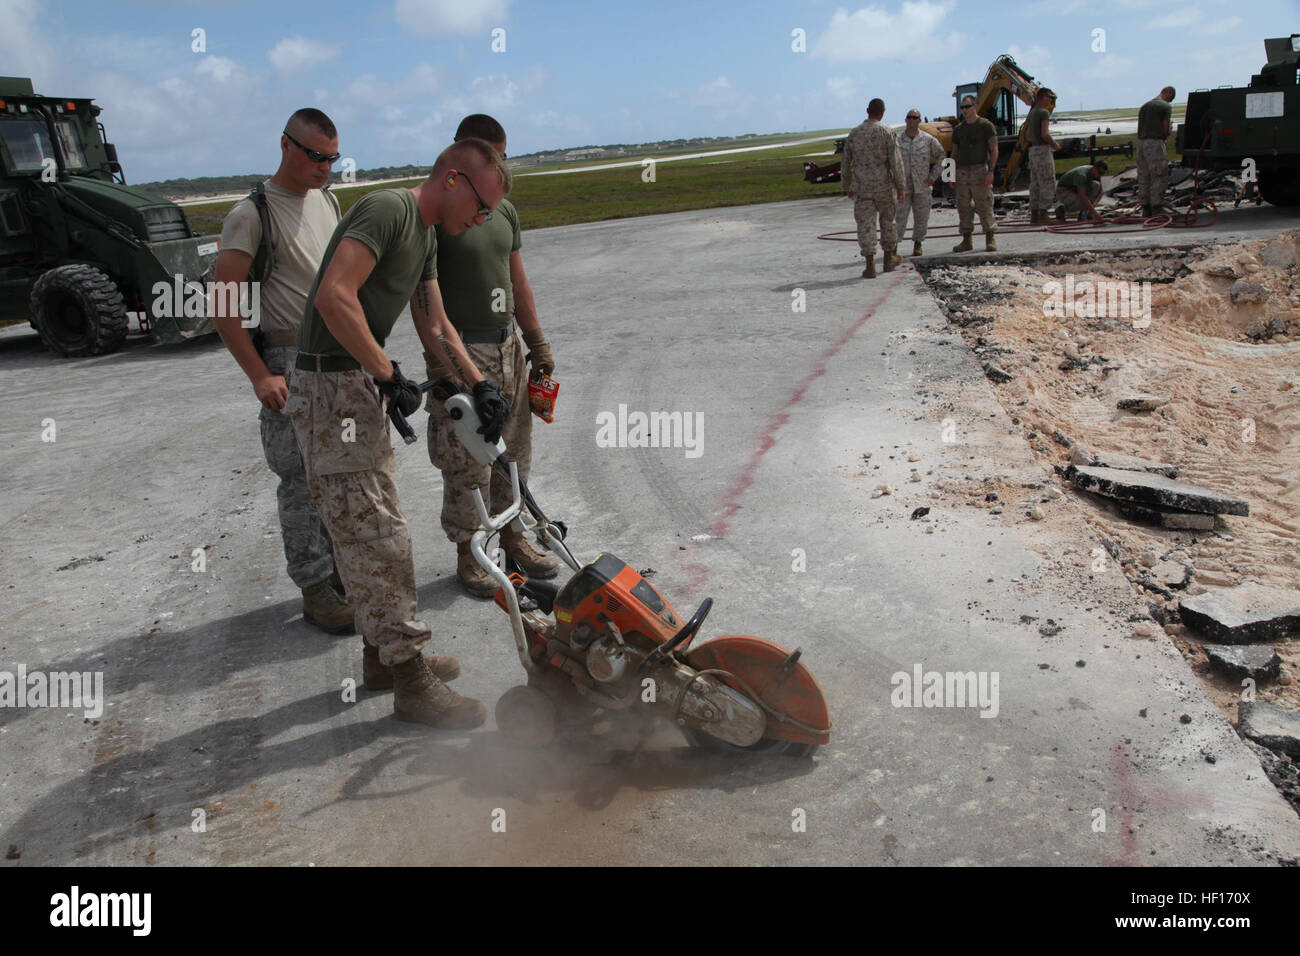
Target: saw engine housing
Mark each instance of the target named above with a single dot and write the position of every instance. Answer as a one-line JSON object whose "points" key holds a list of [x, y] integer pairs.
{"points": [[622, 645]]}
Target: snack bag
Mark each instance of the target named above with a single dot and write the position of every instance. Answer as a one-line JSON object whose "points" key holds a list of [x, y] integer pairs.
{"points": [[542, 390]]}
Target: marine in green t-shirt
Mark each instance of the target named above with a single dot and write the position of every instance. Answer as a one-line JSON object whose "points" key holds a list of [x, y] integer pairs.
{"points": [[1084, 179], [388, 222], [1035, 122], [475, 268], [1154, 117], [1074, 178], [970, 142]]}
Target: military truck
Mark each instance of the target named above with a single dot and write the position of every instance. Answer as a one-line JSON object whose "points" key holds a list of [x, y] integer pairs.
{"points": [[81, 253], [1252, 130]]}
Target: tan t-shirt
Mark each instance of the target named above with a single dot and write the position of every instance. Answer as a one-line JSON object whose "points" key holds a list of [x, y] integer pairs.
{"points": [[301, 227]]}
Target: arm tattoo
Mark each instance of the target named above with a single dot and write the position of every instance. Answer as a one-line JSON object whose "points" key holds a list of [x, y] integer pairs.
{"points": [[455, 363], [422, 299]]}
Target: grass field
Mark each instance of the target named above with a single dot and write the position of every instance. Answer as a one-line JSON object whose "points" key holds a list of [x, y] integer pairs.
{"points": [[774, 175]]}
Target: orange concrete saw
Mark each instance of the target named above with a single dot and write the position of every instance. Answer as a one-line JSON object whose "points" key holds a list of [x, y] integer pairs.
{"points": [[607, 641]]}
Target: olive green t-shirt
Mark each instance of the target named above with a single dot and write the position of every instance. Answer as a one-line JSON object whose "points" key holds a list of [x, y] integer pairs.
{"points": [[1151, 119], [475, 269], [388, 222], [970, 142], [1072, 179], [1036, 117]]}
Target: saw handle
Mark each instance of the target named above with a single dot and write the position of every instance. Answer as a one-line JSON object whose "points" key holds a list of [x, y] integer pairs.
{"points": [[442, 388], [685, 634]]}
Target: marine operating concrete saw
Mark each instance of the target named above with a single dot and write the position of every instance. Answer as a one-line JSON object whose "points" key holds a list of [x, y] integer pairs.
{"points": [[607, 641]]}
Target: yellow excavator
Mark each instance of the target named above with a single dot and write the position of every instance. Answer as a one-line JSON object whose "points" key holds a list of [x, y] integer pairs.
{"points": [[995, 100]]}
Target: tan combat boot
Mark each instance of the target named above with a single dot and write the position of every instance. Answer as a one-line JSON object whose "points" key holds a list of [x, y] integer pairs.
{"points": [[990, 244], [892, 259], [869, 271], [421, 698], [322, 606], [472, 578], [379, 676], [965, 244], [536, 564], [916, 249]]}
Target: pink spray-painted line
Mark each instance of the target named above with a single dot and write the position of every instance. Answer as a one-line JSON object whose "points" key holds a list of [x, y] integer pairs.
{"points": [[745, 478], [698, 571], [1128, 796]]}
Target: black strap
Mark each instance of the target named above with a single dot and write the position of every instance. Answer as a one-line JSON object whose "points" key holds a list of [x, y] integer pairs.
{"points": [[264, 260]]}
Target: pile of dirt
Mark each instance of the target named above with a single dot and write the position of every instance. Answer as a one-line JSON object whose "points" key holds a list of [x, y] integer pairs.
{"points": [[1205, 342]]}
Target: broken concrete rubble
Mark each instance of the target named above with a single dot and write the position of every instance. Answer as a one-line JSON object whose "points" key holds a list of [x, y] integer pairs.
{"points": [[1166, 517], [1244, 291], [1114, 459], [1154, 491], [1257, 661], [1140, 402], [1243, 614], [1277, 728]]}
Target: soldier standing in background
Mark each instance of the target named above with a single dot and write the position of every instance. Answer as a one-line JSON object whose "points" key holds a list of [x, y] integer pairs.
{"points": [[975, 151], [921, 154], [1042, 168], [1153, 164], [873, 179], [486, 293], [301, 216]]}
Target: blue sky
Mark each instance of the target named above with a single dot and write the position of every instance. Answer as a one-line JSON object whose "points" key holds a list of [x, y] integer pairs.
{"points": [[396, 76]]}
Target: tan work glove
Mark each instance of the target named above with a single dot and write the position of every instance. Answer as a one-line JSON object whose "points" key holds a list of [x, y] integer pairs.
{"points": [[539, 352]]}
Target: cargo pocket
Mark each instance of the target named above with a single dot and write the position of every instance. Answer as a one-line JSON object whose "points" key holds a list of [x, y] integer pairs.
{"points": [[348, 425]]}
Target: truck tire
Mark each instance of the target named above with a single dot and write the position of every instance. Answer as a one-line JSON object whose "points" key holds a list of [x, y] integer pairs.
{"points": [[78, 310], [1279, 188]]}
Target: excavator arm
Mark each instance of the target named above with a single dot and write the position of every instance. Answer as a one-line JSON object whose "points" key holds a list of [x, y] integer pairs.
{"points": [[1004, 74]]}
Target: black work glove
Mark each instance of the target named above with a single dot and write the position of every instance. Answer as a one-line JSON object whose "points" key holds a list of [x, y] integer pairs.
{"points": [[401, 392], [492, 410]]}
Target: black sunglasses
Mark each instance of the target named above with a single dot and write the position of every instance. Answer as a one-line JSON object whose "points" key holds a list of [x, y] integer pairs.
{"points": [[316, 156], [913, 116], [483, 209], [968, 106]]}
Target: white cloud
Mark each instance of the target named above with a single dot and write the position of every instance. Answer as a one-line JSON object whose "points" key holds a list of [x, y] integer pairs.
{"points": [[1110, 66], [717, 92], [841, 87], [1059, 8], [1220, 26], [493, 92], [873, 33], [23, 51], [431, 17], [1034, 60], [295, 53], [219, 68], [1176, 20], [1193, 20]]}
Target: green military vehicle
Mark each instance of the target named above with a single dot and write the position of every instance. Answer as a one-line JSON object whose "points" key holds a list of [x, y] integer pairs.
{"points": [[81, 253], [1252, 130]]}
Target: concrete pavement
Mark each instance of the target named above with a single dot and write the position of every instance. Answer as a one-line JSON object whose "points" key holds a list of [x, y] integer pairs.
{"points": [[220, 700]]}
